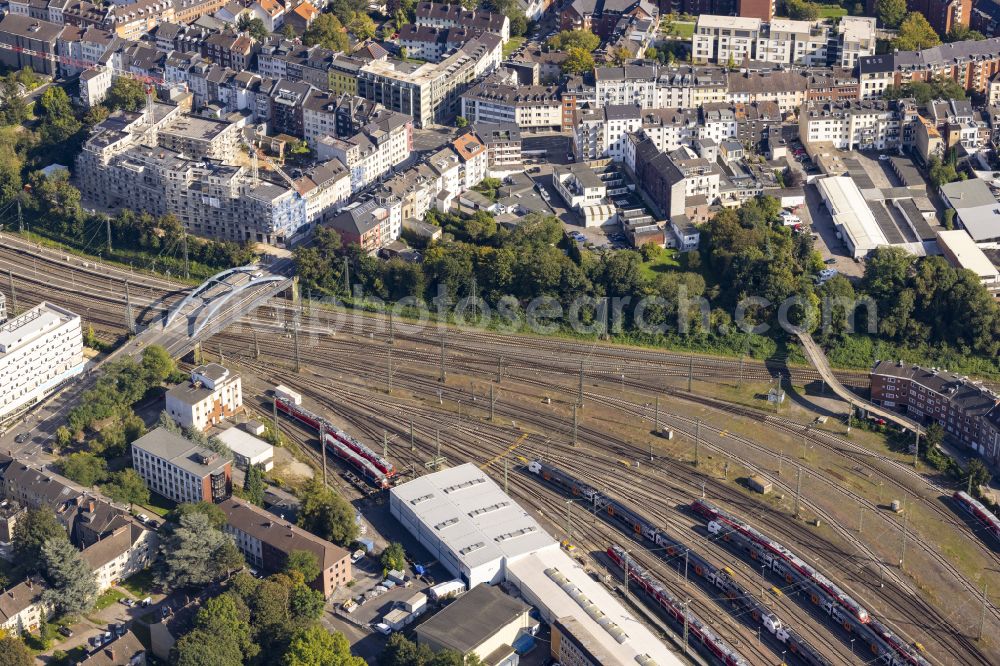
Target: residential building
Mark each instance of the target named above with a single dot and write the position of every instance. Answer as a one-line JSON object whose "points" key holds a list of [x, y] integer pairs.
{"points": [[127, 649], [213, 395], [197, 136], [959, 248], [21, 607], [484, 622], [970, 63], [429, 92], [39, 350], [29, 42], [727, 40], [852, 125], [668, 128], [423, 42], [602, 18], [601, 132], [247, 449], [760, 9], [503, 147], [10, 513], [383, 142], [631, 84], [179, 470], [528, 107], [985, 18], [943, 15], [121, 554], [189, 11], [968, 411], [371, 224], [688, 87], [271, 12], [301, 16], [287, 106], [326, 188], [82, 48], [267, 540], [441, 15], [788, 88]]}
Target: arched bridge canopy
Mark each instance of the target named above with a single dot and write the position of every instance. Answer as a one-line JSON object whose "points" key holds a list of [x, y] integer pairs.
{"points": [[219, 302], [204, 286]]}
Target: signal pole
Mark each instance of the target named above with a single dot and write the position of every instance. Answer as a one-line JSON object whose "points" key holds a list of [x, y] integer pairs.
{"points": [[295, 334], [579, 395], [982, 616], [493, 403], [13, 294], [107, 222], [916, 447], [184, 243], [443, 376], [256, 346], [798, 490], [575, 425], [129, 320], [390, 369], [322, 449], [20, 218], [902, 549], [690, 373], [392, 330]]}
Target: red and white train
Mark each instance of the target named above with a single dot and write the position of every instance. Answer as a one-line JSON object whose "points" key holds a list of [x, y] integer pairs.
{"points": [[982, 514], [376, 470], [888, 647], [719, 648]]}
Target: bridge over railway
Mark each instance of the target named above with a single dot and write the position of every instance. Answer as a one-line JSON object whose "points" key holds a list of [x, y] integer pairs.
{"points": [[822, 365], [212, 306]]}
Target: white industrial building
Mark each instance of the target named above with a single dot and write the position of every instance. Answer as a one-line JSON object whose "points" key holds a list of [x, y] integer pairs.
{"points": [[483, 536], [39, 350], [851, 215], [247, 449], [468, 523]]}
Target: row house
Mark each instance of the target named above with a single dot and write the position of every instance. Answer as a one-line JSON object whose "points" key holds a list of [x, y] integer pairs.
{"points": [[189, 11], [426, 43], [498, 101], [84, 48], [631, 84], [385, 141], [972, 64], [371, 225], [968, 411], [871, 125], [688, 87], [600, 132], [787, 88], [602, 18], [503, 147], [442, 15]]}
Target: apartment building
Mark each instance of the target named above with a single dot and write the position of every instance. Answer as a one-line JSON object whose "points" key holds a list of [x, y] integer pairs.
{"points": [[503, 147], [83, 48], [326, 188], [631, 84], [385, 141], [371, 224], [788, 88], [688, 87], [600, 133], [432, 44], [177, 469], [21, 607], [943, 15], [441, 15], [189, 11], [528, 107], [39, 350], [267, 540], [29, 42], [123, 553], [197, 136], [430, 92], [213, 395], [972, 64], [725, 39], [968, 412], [851, 125], [669, 129], [602, 18]]}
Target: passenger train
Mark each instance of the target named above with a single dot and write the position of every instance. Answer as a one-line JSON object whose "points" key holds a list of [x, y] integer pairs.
{"points": [[982, 514]]}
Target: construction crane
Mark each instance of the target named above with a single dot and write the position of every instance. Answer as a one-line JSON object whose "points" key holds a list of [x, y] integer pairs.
{"points": [[255, 154]]}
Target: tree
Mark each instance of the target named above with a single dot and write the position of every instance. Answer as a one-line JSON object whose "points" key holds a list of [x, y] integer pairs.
{"points": [[196, 553], [125, 93], [326, 31], [393, 557], [315, 646], [620, 55], [158, 363], [400, 651], [962, 33], [58, 120], [30, 534], [890, 12], [518, 23], [578, 61], [288, 32], [64, 437], [84, 468], [253, 26], [302, 564], [227, 617], [327, 514], [127, 487], [934, 436], [72, 586], [305, 603], [14, 108], [801, 10], [915, 33], [574, 39], [203, 648], [13, 652], [461, 121], [941, 173], [253, 485], [361, 26], [949, 219], [977, 474]]}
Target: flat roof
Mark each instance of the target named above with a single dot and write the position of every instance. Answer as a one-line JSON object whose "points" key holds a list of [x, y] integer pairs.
{"points": [[558, 585], [733, 22], [31, 325], [243, 443], [473, 618], [472, 516], [851, 212], [967, 254], [181, 452]]}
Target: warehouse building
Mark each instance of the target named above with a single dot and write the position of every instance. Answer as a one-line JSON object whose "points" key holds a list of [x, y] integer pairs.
{"points": [[39, 350], [959, 248], [854, 221], [482, 536], [468, 523], [247, 449]]}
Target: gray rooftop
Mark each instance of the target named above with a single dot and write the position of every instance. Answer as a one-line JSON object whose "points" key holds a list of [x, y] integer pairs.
{"points": [[181, 452], [472, 619]]}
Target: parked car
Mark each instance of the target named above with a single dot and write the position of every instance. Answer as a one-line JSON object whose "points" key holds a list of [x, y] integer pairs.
{"points": [[21, 438], [357, 555], [883, 157], [382, 628], [143, 518], [119, 629], [831, 260], [66, 631], [108, 637]]}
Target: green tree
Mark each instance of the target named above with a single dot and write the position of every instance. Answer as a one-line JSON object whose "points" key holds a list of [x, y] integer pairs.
{"points": [[216, 518], [72, 587], [30, 534], [941, 173], [393, 557], [228, 618], [949, 219], [158, 362], [890, 12], [253, 26], [915, 33], [977, 474], [14, 108], [962, 33], [127, 487], [574, 39], [58, 120], [518, 23], [203, 648], [461, 121], [315, 646], [13, 652], [305, 603], [620, 55], [196, 553], [801, 10], [578, 61], [326, 31], [326, 514], [84, 468], [125, 93], [361, 26], [253, 485], [302, 564], [64, 437], [288, 32]]}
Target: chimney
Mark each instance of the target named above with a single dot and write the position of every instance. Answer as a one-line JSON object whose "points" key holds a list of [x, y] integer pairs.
{"points": [[91, 505], [30, 585], [111, 653]]}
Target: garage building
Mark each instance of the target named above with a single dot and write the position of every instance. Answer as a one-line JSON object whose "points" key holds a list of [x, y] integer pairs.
{"points": [[851, 215]]}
